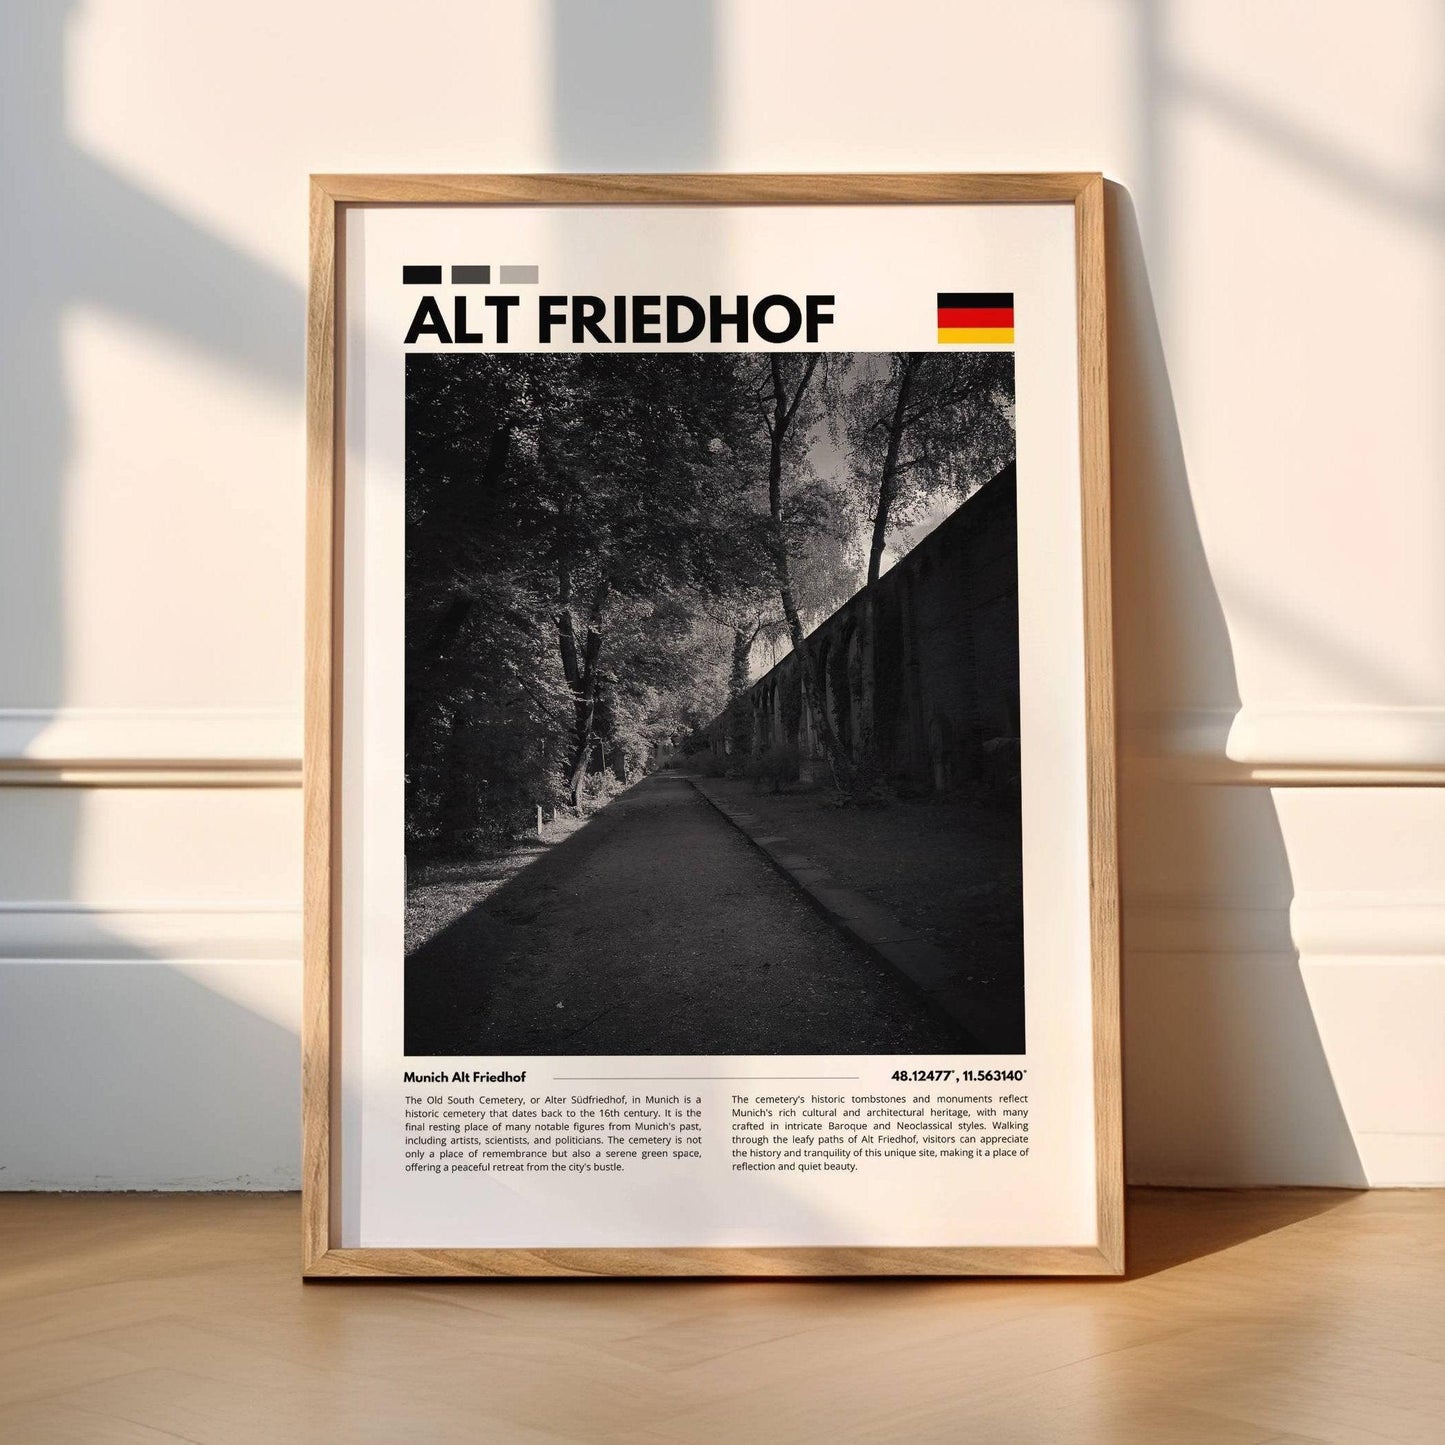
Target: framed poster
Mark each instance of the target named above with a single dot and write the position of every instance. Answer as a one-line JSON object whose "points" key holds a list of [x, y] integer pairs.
{"points": [[709, 792]]}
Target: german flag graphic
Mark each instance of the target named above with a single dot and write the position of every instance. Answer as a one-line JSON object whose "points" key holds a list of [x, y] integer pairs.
{"points": [[976, 318]]}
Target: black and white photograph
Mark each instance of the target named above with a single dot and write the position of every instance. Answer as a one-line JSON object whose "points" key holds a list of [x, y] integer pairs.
{"points": [[712, 704]]}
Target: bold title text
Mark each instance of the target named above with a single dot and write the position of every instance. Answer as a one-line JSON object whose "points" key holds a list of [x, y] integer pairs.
{"points": [[643, 320]]}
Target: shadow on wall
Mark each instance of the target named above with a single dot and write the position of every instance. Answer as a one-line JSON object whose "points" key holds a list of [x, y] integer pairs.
{"points": [[75, 234], [208, 1101], [1218, 1042], [1226, 1079], [1225, 1071], [634, 89], [634, 85]]}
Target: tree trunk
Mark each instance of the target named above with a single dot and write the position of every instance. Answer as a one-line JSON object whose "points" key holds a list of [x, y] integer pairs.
{"points": [[739, 723], [784, 410], [888, 482], [845, 776], [581, 674], [742, 654]]}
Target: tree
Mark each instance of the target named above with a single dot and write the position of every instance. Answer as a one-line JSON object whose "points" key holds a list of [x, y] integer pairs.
{"points": [[485, 713], [665, 679], [634, 453], [919, 423], [591, 560], [568, 517], [781, 395]]}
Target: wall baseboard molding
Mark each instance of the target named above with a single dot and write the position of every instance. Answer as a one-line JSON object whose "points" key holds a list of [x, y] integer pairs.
{"points": [[141, 1074], [150, 747], [1317, 926]]}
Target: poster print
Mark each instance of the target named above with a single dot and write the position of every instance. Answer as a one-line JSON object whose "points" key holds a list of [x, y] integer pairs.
{"points": [[718, 890]]}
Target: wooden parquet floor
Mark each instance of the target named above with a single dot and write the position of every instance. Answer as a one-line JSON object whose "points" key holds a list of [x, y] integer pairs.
{"points": [[1280, 1316]]}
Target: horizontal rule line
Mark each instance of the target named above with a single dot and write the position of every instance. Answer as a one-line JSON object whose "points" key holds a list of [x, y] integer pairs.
{"points": [[704, 1078]]}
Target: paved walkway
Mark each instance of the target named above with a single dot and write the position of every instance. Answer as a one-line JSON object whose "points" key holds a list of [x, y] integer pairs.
{"points": [[658, 929]]}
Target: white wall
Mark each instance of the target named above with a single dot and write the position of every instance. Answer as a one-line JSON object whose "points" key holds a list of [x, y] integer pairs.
{"points": [[1277, 272]]}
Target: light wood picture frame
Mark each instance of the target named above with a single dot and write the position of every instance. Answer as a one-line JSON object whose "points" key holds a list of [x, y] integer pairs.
{"points": [[332, 198]]}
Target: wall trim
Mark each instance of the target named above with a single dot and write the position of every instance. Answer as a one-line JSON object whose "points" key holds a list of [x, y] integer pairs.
{"points": [[1317, 746], [1326, 746], [1313, 925], [1320, 925], [57, 932], [150, 747]]}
